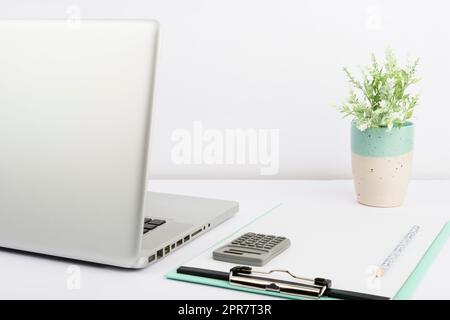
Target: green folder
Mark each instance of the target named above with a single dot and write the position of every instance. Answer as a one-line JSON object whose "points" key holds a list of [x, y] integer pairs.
{"points": [[404, 293]]}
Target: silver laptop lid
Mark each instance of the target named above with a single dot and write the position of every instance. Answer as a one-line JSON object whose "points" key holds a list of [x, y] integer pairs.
{"points": [[75, 105]]}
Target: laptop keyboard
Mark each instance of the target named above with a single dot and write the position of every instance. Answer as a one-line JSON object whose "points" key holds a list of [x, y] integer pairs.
{"points": [[151, 224]]}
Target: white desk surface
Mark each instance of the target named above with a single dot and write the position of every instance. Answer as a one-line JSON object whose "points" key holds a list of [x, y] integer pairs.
{"points": [[25, 276]]}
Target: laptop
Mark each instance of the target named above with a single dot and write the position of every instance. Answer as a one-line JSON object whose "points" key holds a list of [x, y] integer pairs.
{"points": [[75, 118]]}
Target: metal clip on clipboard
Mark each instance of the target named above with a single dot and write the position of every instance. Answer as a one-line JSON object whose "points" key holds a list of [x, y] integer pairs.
{"points": [[246, 277]]}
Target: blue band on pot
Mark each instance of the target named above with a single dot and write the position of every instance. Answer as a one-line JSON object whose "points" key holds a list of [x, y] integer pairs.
{"points": [[381, 142]]}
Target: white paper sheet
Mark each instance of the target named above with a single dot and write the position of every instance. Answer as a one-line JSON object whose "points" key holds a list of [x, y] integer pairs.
{"points": [[344, 247]]}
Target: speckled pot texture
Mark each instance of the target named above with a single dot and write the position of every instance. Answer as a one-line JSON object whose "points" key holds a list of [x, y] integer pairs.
{"points": [[382, 164]]}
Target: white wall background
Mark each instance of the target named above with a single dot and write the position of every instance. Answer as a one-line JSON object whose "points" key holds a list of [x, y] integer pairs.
{"points": [[278, 64]]}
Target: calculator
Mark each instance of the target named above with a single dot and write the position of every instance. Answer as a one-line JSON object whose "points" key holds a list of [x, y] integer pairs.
{"points": [[253, 249]]}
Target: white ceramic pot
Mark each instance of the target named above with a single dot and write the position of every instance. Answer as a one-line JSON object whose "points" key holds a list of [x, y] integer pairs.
{"points": [[382, 164]]}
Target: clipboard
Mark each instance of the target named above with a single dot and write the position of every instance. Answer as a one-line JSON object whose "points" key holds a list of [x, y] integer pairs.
{"points": [[223, 279], [246, 277]]}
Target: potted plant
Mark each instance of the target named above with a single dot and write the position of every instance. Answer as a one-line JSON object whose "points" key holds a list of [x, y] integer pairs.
{"points": [[382, 134]]}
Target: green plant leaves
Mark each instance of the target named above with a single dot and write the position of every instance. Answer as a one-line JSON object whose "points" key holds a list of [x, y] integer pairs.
{"points": [[382, 99]]}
